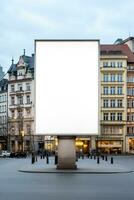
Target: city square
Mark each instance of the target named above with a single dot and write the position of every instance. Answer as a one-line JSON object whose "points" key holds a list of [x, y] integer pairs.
{"points": [[66, 100], [55, 186]]}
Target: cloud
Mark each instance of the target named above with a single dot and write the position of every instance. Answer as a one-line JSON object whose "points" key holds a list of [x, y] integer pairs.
{"points": [[24, 20]]}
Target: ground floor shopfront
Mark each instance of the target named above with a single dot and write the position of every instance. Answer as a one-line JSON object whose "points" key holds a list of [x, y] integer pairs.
{"points": [[3, 142], [130, 143], [86, 144]]}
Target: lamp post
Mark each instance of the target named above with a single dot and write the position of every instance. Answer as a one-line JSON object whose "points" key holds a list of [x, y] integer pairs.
{"points": [[22, 135]]}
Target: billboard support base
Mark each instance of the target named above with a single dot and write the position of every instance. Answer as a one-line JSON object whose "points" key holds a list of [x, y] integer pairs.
{"points": [[66, 152]]}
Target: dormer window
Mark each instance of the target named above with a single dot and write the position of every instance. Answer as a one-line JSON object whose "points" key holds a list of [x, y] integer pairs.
{"points": [[20, 74]]}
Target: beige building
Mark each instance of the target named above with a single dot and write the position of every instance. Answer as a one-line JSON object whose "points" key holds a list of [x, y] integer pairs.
{"points": [[113, 72], [21, 104]]}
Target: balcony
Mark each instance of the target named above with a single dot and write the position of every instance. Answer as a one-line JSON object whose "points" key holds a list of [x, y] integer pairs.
{"points": [[113, 69], [112, 108], [12, 92], [27, 91], [115, 122], [112, 95], [27, 105], [112, 83], [19, 92]]}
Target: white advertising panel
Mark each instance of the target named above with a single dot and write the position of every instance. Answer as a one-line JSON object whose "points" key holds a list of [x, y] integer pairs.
{"points": [[66, 87]]}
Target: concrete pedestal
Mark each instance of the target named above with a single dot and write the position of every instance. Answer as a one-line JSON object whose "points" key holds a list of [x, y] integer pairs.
{"points": [[66, 152]]}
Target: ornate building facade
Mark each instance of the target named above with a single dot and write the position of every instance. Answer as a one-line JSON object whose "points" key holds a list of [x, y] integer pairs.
{"points": [[21, 104]]}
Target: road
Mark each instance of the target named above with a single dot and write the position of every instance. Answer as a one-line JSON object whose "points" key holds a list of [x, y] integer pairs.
{"points": [[16, 185]]}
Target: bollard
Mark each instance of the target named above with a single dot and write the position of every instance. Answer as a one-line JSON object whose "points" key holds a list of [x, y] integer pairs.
{"points": [[112, 160], [83, 156], [47, 159], [91, 156], [56, 160], [98, 160], [105, 158], [36, 159], [33, 159], [94, 157], [102, 157], [41, 156]]}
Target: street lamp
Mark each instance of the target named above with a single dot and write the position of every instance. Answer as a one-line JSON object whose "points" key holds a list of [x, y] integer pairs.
{"points": [[22, 134]]}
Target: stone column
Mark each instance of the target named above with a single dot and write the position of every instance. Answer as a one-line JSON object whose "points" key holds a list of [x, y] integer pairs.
{"points": [[93, 142], [127, 144], [66, 152]]}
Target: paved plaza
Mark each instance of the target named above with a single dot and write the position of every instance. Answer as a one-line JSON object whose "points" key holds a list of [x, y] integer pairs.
{"points": [[15, 185]]}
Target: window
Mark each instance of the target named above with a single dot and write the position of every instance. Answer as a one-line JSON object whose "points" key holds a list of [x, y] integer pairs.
{"points": [[112, 103], [12, 114], [5, 108], [112, 116], [112, 90], [12, 100], [128, 117], [20, 113], [132, 103], [112, 64], [20, 99], [130, 91], [105, 64], [2, 98], [105, 90], [119, 64], [112, 78], [28, 128], [12, 88], [20, 87], [28, 86], [2, 108], [132, 116], [119, 90], [119, 77], [105, 116], [12, 129], [28, 111], [105, 103], [28, 99], [119, 103], [105, 77], [130, 79], [20, 73], [119, 116]]}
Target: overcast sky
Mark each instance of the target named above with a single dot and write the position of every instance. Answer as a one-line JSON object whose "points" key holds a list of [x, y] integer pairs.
{"points": [[22, 21]]}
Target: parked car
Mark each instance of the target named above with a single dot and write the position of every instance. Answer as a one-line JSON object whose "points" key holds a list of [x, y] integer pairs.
{"points": [[4, 154]]}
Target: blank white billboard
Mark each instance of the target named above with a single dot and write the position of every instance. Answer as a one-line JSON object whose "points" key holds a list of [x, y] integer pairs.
{"points": [[66, 87]]}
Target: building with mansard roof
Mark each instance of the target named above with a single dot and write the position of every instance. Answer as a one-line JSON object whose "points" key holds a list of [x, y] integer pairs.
{"points": [[21, 104]]}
